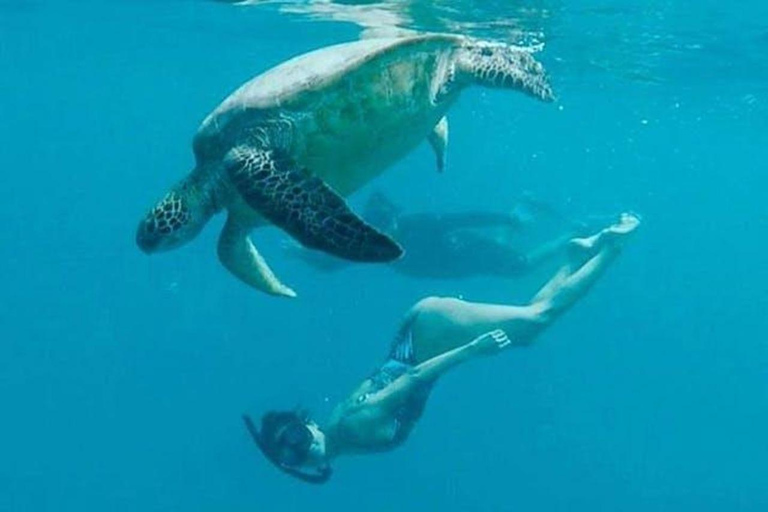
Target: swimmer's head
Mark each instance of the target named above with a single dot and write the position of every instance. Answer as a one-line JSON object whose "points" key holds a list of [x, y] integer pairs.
{"points": [[293, 443]]}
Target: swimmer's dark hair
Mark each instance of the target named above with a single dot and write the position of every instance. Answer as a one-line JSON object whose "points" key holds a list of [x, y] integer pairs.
{"points": [[267, 440]]}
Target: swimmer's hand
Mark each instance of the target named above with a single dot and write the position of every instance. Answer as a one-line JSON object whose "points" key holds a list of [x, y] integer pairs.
{"points": [[491, 342]]}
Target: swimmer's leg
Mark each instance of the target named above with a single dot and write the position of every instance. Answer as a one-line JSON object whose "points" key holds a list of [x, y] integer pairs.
{"points": [[586, 258], [442, 324]]}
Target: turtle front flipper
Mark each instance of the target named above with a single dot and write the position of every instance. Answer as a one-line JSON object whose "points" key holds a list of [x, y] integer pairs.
{"points": [[238, 254], [303, 205]]}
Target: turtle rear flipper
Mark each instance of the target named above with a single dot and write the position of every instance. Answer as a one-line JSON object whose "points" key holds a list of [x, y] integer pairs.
{"points": [[305, 206], [238, 255], [438, 139]]}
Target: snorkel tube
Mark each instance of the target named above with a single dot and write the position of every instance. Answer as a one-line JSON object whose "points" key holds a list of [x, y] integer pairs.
{"points": [[320, 477]]}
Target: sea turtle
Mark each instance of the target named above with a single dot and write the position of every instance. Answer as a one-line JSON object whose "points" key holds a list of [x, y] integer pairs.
{"points": [[290, 144]]}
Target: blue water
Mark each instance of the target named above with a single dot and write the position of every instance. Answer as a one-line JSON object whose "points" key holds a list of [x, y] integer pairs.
{"points": [[123, 376]]}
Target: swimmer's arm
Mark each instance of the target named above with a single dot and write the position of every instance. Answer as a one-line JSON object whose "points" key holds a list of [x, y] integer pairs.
{"points": [[397, 393], [394, 395]]}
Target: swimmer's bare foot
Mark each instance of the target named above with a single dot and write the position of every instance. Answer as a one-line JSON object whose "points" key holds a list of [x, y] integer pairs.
{"points": [[628, 222]]}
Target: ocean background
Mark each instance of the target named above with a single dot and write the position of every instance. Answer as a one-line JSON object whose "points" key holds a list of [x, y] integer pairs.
{"points": [[123, 376]]}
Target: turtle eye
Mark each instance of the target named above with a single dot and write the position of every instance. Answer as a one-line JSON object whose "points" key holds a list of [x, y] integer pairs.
{"points": [[486, 52]]}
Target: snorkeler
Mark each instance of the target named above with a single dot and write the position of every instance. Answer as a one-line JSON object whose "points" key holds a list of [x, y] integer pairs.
{"points": [[456, 245], [433, 339]]}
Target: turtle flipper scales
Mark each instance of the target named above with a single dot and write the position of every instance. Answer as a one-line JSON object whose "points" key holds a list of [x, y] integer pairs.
{"points": [[305, 206]]}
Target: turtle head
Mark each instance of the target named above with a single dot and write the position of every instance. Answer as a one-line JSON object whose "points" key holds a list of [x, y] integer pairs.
{"points": [[176, 219], [500, 65]]}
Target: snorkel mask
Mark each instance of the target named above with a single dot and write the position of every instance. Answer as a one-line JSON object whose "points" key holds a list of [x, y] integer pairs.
{"points": [[288, 448]]}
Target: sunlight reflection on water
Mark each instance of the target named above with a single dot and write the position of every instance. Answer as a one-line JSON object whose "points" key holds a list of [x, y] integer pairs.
{"points": [[652, 42]]}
